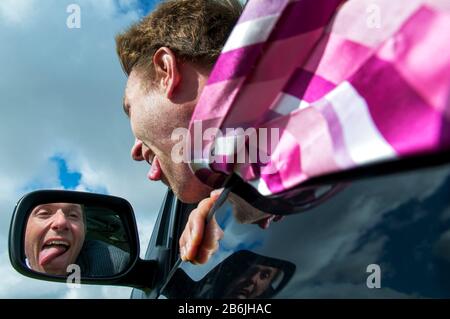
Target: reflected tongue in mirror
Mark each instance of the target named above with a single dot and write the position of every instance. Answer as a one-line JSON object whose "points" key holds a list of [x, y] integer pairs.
{"points": [[49, 253]]}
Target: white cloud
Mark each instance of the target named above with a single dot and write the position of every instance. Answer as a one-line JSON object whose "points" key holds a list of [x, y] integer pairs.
{"points": [[14, 285], [92, 292], [127, 4], [61, 94], [16, 11]]}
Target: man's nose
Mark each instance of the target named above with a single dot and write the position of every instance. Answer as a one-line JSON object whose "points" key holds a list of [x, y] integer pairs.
{"points": [[60, 221], [250, 279], [254, 278], [136, 151]]}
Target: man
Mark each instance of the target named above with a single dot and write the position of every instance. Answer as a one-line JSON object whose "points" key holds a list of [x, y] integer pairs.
{"points": [[54, 237], [241, 275], [255, 282], [168, 57]]}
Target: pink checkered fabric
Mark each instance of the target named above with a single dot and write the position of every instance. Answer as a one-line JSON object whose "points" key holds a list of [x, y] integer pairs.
{"points": [[346, 83]]}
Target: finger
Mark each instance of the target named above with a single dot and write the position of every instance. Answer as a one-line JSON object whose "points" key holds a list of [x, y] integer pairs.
{"points": [[205, 203], [212, 236], [216, 193], [210, 244], [184, 239], [193, 236], [183, 254], [196, 227], [185, 236], [203, 256]]}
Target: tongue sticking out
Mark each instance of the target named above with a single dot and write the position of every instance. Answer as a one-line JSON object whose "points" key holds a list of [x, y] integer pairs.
{"points": [[155, 170], [50, 253]]}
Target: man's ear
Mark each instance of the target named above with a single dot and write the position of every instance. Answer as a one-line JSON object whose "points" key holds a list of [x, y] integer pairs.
{"points": [[166, 70]]}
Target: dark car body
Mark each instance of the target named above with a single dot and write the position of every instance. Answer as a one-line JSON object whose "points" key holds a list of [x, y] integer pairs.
{"points": [[379, 237]]}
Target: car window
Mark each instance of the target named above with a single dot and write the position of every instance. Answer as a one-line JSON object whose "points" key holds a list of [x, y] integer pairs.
{"points": [[381, 237]]}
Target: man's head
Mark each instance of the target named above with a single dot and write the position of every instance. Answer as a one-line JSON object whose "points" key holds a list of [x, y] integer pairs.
{"points": [[255, 282], [168, 57], [54, 237]]}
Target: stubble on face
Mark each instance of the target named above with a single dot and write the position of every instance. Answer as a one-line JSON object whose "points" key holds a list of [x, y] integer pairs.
{"points": [[153, 118]]}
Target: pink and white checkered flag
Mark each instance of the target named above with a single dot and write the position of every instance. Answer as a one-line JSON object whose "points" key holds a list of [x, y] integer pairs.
{"points": [[333, 85]]}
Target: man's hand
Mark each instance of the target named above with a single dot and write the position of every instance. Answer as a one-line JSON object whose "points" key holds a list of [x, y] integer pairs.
{"points": [[199, 241]]}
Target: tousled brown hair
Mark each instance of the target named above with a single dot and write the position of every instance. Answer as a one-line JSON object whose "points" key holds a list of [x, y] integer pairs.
{"points": [[195, 30]]}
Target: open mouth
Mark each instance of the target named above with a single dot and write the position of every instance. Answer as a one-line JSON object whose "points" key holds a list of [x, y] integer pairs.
{"points": [[52, 249]]}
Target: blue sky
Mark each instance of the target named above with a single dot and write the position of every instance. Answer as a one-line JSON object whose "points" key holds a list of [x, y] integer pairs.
{"points": [[146, 6], [62, 125], [67, 179], [70, 179]]}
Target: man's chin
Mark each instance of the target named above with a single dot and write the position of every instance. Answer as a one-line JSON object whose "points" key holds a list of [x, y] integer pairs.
{"points": [[58, 267], [56, 271], [192, 196], [188, 198]]}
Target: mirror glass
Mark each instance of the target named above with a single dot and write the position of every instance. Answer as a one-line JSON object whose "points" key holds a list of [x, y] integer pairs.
{"points": [[63, 238], [242, 275], [245, 275]]}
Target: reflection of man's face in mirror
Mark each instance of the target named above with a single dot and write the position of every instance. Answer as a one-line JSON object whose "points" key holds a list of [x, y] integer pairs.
{"points": [[253, 283], [54, 236]]}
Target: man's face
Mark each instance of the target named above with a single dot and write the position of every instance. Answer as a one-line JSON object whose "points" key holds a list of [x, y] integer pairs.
{"points": [[253, 283], [54, 236], [153, 118]]}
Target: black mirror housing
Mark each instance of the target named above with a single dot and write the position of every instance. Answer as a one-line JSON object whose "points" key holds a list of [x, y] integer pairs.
{"points": [[137, 273]]}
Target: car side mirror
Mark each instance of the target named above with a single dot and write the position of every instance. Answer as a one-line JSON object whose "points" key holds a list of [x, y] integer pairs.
{"points": [[68, 236]]}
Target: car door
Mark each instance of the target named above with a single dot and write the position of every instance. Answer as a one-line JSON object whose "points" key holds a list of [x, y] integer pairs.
{"points": [[163, 243], [380, 237]]}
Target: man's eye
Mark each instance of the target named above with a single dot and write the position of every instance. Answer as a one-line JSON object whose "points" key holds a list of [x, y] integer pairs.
{"points": [[265, 274], [74, 215], [43, 214]]}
